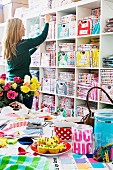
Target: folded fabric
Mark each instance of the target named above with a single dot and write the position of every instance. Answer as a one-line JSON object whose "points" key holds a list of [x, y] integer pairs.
{"points": [[25, 163], [33, 131]]}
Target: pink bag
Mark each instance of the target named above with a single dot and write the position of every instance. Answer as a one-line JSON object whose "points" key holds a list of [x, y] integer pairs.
{"points": [[82, 139]]}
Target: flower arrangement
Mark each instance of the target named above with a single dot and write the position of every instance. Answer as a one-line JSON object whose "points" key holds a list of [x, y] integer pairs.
{"points": [[11, 91]]}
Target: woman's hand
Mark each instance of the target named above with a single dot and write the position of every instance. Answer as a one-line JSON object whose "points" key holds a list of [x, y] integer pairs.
{"points": [[37, 46], [47, 18]]}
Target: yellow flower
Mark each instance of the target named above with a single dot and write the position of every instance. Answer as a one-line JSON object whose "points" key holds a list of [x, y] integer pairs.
{"points": [[25, 89], [34, 80], [33, 87], [26, 84], [14, 86], [2, 81], [36, 93], [38, 85]]}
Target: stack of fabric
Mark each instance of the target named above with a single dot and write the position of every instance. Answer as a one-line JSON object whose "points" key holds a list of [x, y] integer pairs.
{"points": [[108, 61], [109, 25]]}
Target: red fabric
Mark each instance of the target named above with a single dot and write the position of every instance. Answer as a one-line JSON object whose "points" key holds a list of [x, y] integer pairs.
{"points": [[64, 133]]}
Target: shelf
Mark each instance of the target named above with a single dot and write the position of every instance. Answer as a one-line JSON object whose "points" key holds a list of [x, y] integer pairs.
{"points": [[107, 33], [103, 68], [79, 98], [102, 102], [90, 68], [66, 38], [47, 40], [34, 67], [87, 36], [65, 96], [47, 92], [47, 66], [67, 67]]}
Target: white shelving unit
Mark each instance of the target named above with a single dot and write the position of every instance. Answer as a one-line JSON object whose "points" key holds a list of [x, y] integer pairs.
{"points": [[82, 9]]}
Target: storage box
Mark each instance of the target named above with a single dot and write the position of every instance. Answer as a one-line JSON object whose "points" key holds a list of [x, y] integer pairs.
{"points": [[46, 85], [83, 58], [61, 87], [66, 59], [67, 29], [63, 30], [84, 27], [9, 9]]}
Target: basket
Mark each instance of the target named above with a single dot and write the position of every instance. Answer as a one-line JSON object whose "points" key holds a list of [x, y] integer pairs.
{"points": [[89, 118]]}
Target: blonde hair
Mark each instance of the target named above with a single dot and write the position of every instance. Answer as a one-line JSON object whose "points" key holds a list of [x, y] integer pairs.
{"points": [[11, 37]]}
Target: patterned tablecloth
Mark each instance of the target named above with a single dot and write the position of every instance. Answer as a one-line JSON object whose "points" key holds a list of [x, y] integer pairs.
{"points": [[67, 161]]}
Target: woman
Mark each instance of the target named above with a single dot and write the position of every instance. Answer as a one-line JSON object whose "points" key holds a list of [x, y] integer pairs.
{"points": [[17, 51]]}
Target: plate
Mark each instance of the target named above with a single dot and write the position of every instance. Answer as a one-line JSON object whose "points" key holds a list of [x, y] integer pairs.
{"points": [[68, 147]]}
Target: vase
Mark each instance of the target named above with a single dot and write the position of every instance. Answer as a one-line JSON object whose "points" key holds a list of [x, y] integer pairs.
{"points": [[28, 102]]}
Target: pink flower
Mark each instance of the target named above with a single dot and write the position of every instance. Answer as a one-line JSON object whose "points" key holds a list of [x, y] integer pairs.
{"points": [[11, 94], [3, 76], [17, 80], [7, 86]]}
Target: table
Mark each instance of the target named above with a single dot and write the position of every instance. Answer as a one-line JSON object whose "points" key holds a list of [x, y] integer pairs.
{"points": [[62, 162]]}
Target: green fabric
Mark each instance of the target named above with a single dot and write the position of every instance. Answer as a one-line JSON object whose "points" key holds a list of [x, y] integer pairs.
{"points": [[34, 162], [19, 64], [25, 162], [6, 160]]}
